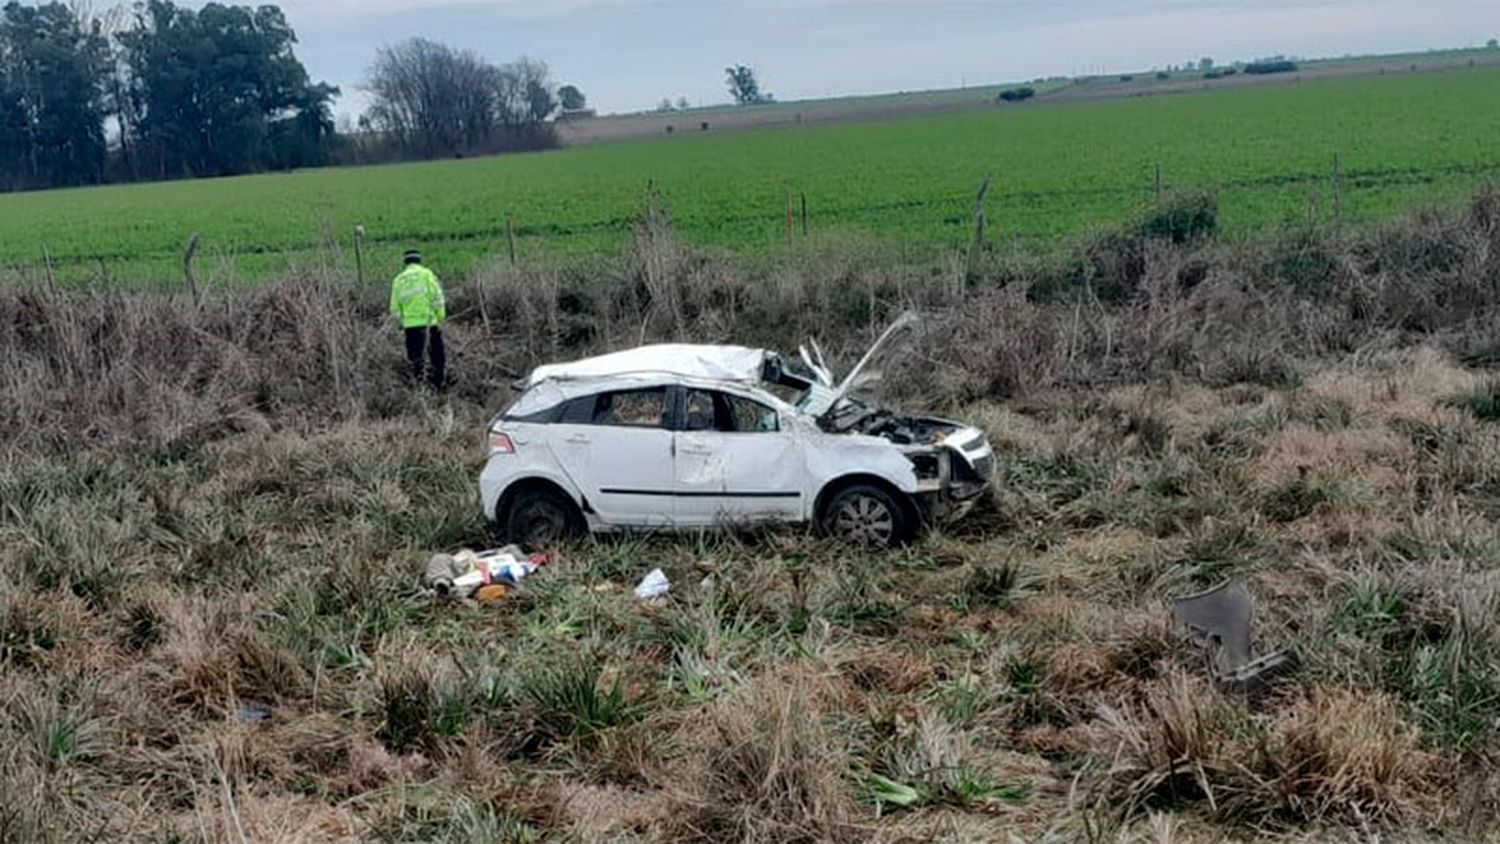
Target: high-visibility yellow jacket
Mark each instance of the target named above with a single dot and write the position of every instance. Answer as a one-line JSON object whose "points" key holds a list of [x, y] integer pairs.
{"points": [[417, 298]]}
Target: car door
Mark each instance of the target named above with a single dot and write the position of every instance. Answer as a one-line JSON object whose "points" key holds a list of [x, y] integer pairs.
{"points": [[617, 447], [735, 463]]}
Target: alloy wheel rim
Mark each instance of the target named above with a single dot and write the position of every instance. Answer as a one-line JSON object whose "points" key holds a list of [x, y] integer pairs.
{"points": [[866, 520]]}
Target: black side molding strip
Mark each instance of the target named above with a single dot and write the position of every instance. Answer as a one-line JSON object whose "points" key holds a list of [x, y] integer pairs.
{"points": [[667, 493]]}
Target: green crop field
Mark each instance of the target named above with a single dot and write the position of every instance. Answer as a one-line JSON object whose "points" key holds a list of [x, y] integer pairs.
{"points": [[1059, 170]]}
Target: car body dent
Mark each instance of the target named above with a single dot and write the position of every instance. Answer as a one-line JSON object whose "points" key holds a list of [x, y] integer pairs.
{"points": [[844, 455], [719, 364]]}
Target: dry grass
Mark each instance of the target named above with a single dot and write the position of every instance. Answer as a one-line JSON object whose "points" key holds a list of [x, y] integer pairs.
{"points": [[766, 766], [213, 519]]}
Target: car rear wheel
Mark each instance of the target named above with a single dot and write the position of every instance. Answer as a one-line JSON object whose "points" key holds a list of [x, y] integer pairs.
{"points": [[541, 518], [865, 515]]}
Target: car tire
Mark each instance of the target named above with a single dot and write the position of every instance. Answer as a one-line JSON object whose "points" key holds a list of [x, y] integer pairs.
{"points": [[542, 518], [865, 515]]}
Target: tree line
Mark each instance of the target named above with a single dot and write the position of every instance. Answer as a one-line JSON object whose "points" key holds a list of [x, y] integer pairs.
{"points": [[160, 91], [432, 100]]}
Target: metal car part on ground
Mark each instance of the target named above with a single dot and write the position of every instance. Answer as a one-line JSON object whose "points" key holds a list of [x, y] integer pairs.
{"points": [[1219, 620], [689, 437]]}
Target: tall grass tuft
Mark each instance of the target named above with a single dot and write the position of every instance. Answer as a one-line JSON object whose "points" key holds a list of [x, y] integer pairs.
{"points": [[1483, 402], [571, 699], [998, 586]]}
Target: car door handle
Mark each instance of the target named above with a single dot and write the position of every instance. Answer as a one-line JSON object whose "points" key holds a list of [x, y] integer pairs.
{"points": [[698, 452], [577, 439]]}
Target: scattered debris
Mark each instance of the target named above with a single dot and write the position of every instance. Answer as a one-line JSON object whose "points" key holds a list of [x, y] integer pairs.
{"points": [[654, 585], [1219, 619], [250, 712], [483, 575], [491, 593]]}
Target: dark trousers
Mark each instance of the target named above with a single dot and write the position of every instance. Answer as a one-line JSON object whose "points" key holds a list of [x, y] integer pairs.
{"points": [[427, 356]]}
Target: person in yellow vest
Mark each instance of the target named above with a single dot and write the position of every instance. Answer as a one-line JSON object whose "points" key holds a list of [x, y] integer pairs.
{"points": [[417, 304]]}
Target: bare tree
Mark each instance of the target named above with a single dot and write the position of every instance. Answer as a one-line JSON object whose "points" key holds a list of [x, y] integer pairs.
{"points": [[525, 94], [431, 99]]}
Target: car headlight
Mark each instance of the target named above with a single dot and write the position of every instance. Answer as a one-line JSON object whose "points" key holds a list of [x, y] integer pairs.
{"points": [[926, 466]]}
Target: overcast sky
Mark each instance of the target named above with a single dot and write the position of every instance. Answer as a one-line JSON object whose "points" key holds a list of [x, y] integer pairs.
{"points": [[627, 55]]}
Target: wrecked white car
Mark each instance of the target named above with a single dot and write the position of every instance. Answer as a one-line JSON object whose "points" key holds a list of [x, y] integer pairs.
{"points": [[686, 437]]}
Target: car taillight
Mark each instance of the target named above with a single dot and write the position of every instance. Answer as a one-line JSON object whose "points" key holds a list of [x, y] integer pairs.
{"points": [[501, 443]]}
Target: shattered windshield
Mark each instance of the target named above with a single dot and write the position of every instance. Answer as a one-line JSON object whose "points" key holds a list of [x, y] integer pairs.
{"points": [[817, 400]]}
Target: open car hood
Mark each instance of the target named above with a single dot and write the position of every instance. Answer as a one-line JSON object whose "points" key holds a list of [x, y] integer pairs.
{"points": [[838, 407], [824, 397]]}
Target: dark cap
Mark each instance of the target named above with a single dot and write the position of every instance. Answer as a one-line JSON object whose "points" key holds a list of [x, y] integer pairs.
{"points": [[413, 256]]}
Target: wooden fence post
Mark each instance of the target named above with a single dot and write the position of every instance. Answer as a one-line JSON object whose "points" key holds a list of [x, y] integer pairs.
{"points": [[187, 268], [359, 254], [510, 236], [804, 214], [979, 229], [788, 215], [484, 309], [1158, 183], [51, 279], [1338, 191]]}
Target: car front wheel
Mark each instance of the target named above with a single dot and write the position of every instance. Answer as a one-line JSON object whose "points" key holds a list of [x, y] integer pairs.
{"points": [[541, 518], [865, 515]]}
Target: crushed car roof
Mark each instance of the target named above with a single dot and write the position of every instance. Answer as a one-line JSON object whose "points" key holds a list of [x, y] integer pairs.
{"points": [[719, 363]]}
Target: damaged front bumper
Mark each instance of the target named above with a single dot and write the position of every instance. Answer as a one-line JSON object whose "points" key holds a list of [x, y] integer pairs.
{"points": [[952, 478]]}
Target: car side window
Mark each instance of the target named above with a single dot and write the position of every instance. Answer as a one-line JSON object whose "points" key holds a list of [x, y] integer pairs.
{"points": [[698, 412], [752, 416], [707, 410], [631, 408], [579, 411]]}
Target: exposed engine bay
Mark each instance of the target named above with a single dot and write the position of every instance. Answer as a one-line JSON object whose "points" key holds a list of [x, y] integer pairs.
{"points": [[938, 448], [856, 417], [955, 459]]}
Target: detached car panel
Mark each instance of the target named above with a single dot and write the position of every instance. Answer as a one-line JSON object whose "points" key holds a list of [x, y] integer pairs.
{"points": [[689, 437]]}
